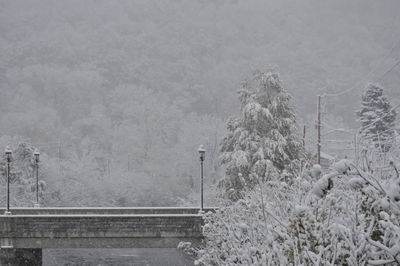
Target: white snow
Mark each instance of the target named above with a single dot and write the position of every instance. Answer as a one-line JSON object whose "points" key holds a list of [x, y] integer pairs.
{"points": [[321, 186], [356, 182], [394, 190], [240, 158], [342, 166], [300, 209], [316, 171]]}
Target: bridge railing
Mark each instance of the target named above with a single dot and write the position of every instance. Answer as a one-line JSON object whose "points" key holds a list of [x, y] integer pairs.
{"points": [[105, 210]]}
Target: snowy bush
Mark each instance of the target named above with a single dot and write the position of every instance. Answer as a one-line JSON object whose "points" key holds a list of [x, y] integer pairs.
{"points": [[346, 217]]}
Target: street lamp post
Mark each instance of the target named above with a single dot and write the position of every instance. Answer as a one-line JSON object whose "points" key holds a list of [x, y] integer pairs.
{"points": [[8, 153], [36, 154], [202, 153]]}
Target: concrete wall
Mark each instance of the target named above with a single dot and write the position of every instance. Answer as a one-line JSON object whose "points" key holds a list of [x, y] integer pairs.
{"points": [[99, 231], [21, 257]]}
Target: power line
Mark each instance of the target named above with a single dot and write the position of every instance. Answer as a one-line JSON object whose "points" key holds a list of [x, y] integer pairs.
{"points": [[348, 90], [338, 130], [387, 130], [387, 72], [372, 71], [338, 141], [379, 118], [348, 130], [356, 84]]}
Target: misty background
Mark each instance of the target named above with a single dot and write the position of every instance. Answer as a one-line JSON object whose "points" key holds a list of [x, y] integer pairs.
{"points": [[118, 95]]}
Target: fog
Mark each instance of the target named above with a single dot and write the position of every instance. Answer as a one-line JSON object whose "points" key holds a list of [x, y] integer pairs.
{"points": [[118, 95]]}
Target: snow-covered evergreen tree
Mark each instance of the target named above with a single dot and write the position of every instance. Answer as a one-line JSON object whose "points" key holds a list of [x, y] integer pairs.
{"points": [[263, 141], [377, 117]]}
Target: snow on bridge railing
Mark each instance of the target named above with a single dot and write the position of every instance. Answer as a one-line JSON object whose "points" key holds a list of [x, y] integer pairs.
{"points": [[106, 210]]}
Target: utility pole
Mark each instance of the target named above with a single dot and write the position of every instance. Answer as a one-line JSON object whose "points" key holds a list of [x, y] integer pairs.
{"points": [[108, 167], [59, 158], [319, 131], [355, 149]]}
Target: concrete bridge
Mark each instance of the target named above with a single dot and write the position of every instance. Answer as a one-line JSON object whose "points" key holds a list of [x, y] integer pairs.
{"points": [[24, 233]]}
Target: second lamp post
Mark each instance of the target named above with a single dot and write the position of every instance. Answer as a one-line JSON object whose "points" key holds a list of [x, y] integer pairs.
{"points": [[36, 154], [8, 153], [202, 153]]}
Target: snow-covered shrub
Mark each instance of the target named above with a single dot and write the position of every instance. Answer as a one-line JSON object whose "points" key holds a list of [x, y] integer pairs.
{"points": [[346, 217], [187, 248]]}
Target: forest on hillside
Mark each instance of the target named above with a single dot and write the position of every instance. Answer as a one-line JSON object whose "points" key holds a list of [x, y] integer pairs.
{"points": [[118, 95]]}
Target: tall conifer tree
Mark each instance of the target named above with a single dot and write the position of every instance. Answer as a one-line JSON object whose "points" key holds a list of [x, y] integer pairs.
{"points": [[262, 142]]}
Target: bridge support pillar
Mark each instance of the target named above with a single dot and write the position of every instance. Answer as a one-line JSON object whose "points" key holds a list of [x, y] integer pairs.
{"points": [[21, 257]]}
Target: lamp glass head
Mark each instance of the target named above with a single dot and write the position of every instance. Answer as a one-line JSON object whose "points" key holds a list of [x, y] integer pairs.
{"points": [[36, 153], [8, 151], [202, 152]]}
